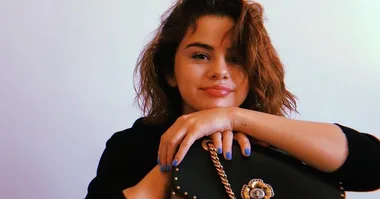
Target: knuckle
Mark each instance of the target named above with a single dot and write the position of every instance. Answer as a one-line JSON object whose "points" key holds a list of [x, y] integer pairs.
{"points": [[227, 144], [190, 139], [216, 142], [186, 118], [195, 128], [185, 144], [242, 140], [182, 118], [245, 143], [192, 122], [228, 133], [216, 134], [242, 136], [239, 134], [215, 137], [171, 142]]}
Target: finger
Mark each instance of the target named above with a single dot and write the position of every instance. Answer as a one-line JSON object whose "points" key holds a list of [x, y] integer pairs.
{"points": [[173, 146], [165, 141], [244, 143], [189, 137], [158, 155], [162, 155], [172, 149], [227, 137], [217, 140], [184, 147]]}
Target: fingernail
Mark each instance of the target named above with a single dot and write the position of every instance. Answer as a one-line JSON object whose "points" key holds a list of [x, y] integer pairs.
{"points": [[167, 167], [175, 162], [158, 160], [219, 150], [228, 155], [162, 168], [247, 151]]}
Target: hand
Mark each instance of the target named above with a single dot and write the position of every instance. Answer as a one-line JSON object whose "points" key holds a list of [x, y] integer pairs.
{"points": [[189, 128], [225, 145]]}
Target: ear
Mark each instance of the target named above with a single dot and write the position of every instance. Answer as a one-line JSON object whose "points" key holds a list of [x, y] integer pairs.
{"points": [[171, 81]]}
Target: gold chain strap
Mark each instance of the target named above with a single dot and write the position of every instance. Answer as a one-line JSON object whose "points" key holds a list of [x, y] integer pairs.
{"points": [[209, 146]]}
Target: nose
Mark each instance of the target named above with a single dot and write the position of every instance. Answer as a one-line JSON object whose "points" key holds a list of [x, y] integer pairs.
{"points": [[219, 70]]}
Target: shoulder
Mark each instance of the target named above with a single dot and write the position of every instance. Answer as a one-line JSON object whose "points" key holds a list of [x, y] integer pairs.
{"points": [[139, 132]]}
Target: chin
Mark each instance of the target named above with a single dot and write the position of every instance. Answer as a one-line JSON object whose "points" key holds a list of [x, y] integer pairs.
{"points": [[215, 105], [208, 104]]}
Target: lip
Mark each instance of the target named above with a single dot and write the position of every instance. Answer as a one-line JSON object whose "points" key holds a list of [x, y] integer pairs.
{"points": [[217, 91]]}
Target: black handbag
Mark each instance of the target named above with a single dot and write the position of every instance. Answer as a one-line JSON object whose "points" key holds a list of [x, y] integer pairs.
{"points": [[268, 173]]}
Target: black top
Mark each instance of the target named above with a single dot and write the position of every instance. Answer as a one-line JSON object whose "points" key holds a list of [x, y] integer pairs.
{"points": [[130, 155]]}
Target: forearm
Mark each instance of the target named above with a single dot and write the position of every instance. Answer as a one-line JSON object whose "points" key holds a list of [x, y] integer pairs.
{"points": [[155, 185], [320, 145]]}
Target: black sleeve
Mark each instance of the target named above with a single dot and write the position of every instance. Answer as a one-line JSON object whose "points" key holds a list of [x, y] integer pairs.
{"points": [[118, 168], [361, 170]]}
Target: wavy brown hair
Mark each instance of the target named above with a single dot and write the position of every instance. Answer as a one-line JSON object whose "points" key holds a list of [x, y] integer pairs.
{"points": [[160, 102]]}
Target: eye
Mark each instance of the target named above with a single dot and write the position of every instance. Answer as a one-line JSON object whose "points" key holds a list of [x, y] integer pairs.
{"points": [[233, 60], [201, 56]]}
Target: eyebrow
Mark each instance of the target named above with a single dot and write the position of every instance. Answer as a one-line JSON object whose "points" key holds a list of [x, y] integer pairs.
{"points": [[200, 45], [206, 46]]}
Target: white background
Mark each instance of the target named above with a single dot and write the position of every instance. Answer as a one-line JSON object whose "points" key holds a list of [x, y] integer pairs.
{"points": [[66, 79]]}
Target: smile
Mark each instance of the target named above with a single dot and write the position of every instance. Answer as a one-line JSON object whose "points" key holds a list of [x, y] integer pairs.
{"points": [[217, 91]]}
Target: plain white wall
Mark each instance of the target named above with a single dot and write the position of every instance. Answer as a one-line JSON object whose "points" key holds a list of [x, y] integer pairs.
{"points": [[66, 79]]}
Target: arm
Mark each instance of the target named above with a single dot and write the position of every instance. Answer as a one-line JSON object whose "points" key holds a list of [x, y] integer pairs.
{"points": [[330, 148], [149, 182], [320, 145]]}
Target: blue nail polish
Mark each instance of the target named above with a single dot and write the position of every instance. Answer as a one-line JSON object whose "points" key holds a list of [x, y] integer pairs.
{"points": [[247, 151], [167, 167], [158, 160], [228, 155], [220, 151], [175, 163], [162, 168]]}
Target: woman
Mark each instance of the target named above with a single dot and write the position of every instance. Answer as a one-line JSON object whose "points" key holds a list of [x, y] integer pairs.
{"points": [[211, 70]]}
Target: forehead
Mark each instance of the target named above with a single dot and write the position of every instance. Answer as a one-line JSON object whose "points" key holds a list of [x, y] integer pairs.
{"points": [[210, 29]]}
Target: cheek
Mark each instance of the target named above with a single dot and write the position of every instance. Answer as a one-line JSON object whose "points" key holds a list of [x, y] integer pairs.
{"points": [[246, 83], [244, 88], [241, 79], [188, 80], [186, 73]]}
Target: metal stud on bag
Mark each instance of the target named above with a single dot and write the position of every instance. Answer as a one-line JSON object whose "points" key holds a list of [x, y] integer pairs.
{"points": [[254, 189]]}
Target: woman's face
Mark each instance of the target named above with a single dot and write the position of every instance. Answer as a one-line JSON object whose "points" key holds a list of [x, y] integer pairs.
{"points": [[207, 71]]}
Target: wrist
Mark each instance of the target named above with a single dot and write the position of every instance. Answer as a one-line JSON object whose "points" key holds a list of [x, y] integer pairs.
{"points": [[237, 118]]}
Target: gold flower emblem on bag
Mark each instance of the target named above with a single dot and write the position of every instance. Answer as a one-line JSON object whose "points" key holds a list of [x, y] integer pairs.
{"points": [[257, 189]]}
